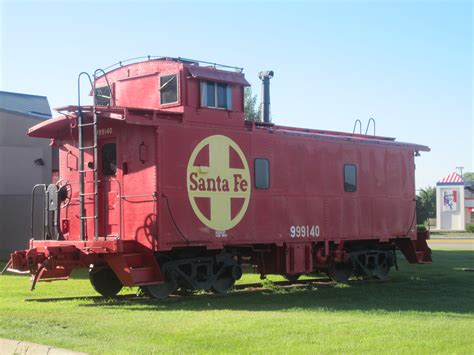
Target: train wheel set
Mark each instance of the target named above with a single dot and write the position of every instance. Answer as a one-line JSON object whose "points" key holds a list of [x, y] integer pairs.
{"points": [[219, 274]]}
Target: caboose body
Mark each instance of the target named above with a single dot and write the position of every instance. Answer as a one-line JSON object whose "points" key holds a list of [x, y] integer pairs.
{"points": [[163, 184]]}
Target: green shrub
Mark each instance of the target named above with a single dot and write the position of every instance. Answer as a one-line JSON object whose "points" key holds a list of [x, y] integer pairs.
{"points": [[420, 228], [470, 228]]}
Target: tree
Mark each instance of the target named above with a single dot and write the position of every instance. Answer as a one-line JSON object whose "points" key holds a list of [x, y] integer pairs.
{"points": [[252, 113], [469, 176], [425, 205]]}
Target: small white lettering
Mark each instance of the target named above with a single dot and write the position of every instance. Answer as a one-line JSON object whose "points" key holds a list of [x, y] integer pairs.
{"points": [[104, 131], [221, 234], [304, 231]]}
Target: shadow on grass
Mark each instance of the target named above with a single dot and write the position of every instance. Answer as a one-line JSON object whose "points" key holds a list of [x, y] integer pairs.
{"points": [[442, 286]]}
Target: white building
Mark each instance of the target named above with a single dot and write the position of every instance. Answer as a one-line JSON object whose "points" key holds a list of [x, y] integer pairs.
{"points": [[454, 203]]}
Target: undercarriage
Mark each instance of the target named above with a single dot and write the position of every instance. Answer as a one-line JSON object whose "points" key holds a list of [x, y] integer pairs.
{"points": [[114, 264]]}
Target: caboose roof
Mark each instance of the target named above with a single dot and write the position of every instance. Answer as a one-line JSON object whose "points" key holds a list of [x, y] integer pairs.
{"points": [[211, 73], [345, 136], [52, 127], [55, 126]]}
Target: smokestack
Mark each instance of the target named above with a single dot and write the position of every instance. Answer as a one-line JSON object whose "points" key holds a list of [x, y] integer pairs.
{"points": [[265, 76]]}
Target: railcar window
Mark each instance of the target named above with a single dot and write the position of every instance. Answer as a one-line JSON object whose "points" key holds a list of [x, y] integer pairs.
{"points": [[350, 178], [221, 93], [210, 88], [109, 159], [262, 173], [168, 89], [216, 95], [102, 96]]}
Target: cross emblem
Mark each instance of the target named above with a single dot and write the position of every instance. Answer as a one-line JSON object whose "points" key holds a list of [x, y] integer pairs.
{"points": [[222, 182]]}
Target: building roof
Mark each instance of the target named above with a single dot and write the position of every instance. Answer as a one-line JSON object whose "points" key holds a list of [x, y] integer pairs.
{"points": [[451, 179], [32, 105]]}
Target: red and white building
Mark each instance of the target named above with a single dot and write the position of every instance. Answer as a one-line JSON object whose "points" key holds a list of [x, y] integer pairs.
{"points": [[454, 203]]}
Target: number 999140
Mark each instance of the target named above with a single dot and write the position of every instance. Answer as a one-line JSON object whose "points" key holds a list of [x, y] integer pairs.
{"points": [[304, 231]]}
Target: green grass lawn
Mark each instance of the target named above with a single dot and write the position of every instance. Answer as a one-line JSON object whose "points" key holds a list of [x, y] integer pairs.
{"points": [[421, 309]]}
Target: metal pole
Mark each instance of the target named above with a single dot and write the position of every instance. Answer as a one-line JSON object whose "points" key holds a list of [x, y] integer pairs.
{"points": [[96, 177], [265, 76], [81, 175], [81, 154]]}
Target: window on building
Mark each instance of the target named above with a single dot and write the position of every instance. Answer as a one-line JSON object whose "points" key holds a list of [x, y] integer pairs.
{"points": [[262, 173], [216, 95], [168, 89], [350, 178], [109, 159], [102, 96]]}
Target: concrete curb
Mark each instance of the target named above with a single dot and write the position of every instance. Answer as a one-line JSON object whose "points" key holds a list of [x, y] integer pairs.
{"points": [[14, 347]]}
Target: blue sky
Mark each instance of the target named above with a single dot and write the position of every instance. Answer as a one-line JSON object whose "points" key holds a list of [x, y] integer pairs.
{"points": [[408, 64]]}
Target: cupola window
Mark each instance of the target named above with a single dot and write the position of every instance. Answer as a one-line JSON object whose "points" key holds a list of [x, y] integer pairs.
{"points": [[216, 95]]}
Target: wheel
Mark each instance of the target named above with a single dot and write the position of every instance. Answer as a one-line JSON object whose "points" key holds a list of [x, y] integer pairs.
{"points": [[381, 272], [104, 281], [223, 284], [292, 277], [226, 280], [160, 291], [385, 262], [340, 272]]}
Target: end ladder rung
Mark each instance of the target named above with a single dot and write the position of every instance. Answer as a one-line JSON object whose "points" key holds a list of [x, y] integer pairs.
{"points": [[87, 124], [88, 147], [88, 193], [89, 217], [88, 171]]}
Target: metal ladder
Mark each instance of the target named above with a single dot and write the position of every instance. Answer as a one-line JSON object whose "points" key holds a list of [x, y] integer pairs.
{"points": [[94, 147]]}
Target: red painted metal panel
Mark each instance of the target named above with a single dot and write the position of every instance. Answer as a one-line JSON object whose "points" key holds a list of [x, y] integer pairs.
{"points": [[186, 177]]}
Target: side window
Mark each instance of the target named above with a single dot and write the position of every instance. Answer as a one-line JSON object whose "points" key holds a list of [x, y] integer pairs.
{"points": [[168, 89], [102, 96], [216, 95], [109, 159], [350, 178], [262, 173]]}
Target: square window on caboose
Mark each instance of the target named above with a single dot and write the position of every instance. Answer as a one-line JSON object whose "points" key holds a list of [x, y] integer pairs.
{"points": [[216, 95], [168, 89], [350, 178]]}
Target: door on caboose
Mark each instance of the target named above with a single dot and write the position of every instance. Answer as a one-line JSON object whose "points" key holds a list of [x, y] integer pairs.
{"points": [[109, 189]]}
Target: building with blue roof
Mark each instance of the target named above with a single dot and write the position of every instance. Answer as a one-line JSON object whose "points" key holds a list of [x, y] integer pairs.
{"points": [[24, 162]]}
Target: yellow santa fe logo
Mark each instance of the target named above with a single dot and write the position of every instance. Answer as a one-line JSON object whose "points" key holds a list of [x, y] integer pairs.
{"points": [[218, 177]]}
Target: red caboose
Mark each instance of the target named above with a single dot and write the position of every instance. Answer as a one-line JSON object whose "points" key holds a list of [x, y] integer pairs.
{"points": [[163, 184]]}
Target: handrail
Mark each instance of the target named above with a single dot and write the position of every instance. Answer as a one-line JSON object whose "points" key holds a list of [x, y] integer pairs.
{"points": [[120, 207], [119, 196], [33, 209], [368, 125], [179, 59], [112, 98], [355, 125], [81, 151]]}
